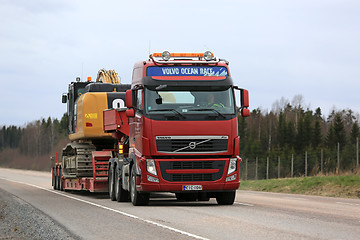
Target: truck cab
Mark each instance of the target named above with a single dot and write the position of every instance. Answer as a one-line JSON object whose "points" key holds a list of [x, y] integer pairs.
{"points": [[183, 132]]}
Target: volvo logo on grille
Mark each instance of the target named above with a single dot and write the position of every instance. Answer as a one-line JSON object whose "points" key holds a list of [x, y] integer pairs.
{"points": [[192, 145]]}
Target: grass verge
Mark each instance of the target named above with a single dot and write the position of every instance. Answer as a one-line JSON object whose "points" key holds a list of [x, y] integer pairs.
{"points": [[347, 186]]}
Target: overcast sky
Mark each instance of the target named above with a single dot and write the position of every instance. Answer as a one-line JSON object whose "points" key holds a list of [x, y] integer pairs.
{"points": [[276, 48]]}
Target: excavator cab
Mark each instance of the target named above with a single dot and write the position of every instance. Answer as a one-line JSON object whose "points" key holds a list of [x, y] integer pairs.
{"points": [[76, 89]]}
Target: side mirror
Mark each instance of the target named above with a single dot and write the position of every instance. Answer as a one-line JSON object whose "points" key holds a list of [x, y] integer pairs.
{"points": [[64, 98], [129, 98], [244, 101], [244, 98], [245, 112], [130, 113]]}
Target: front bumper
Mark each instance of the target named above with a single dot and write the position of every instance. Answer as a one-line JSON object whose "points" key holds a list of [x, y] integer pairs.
{"points": [[175, 184]]}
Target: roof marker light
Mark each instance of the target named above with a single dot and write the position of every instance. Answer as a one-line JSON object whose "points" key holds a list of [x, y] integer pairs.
{"points": [[208, 55], [166, 56]]}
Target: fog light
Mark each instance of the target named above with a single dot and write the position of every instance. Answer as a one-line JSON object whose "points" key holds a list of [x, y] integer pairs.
{"points": [[231, 178], [152, 179]]}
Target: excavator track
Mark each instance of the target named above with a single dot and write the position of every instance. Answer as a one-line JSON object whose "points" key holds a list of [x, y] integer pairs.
{"points": [[77, 160]]}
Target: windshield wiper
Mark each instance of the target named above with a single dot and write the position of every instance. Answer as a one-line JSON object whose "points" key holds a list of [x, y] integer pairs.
{"points": [[168, 109], [207, 109]]}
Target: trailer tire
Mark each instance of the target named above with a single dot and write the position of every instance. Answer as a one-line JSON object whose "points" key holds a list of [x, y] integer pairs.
{"points": [[56, 182], [60, 184], [111, 183], [53, 178], [137, 199], [121, 195], [225, 198]]}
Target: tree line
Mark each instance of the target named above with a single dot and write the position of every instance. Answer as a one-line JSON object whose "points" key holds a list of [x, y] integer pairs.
{"points": [[35, 139], [291, 130]]}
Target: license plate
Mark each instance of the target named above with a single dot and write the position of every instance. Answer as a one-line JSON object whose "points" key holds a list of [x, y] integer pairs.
{"points": [[192, 187]]}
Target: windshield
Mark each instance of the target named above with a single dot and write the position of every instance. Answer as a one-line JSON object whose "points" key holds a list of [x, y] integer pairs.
{"points": [[190, 102]]}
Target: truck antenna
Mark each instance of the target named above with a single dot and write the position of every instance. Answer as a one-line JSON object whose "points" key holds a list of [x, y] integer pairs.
{"points": [[82, 70], [149, 47]]}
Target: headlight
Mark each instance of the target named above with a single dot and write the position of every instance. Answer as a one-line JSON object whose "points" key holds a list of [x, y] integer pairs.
{"points": [[150, 166], [232, 165]]}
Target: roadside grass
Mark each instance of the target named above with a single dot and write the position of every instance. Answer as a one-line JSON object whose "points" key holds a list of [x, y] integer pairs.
{"points": [[347, 186]]}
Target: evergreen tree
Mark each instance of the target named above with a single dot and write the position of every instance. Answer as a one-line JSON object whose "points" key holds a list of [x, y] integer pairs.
{"points": [[355, 133], [339, 130], [331, 140], [317, 137]]}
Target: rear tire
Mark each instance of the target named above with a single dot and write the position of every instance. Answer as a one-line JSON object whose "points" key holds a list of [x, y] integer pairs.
{"points": [[60, 184], [53, 178], [56, 186], [137, 199], [225, 198], [121, 195], [111, 180]]}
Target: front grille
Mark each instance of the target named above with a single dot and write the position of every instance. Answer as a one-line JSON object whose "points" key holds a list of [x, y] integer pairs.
{"points": [[192, 165], [193, 177], [192, 144]]}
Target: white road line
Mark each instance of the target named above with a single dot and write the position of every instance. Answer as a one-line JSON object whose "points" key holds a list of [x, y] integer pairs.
{"points": [[297, 198], [244, 204], [113, 210], [350, 204]]}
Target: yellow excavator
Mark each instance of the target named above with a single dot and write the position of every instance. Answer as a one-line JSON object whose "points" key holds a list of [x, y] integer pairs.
{"points": [[86, 102]]}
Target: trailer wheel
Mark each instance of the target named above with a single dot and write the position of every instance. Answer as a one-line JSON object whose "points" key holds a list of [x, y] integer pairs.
{"points": [[60, 184], [121, 195], [137, 199], [56, 182], [225, 198], [53, 178], [111, 181]]}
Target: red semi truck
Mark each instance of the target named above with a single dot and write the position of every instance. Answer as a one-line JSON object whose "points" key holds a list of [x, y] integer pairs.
{"points": [[176, 131]]}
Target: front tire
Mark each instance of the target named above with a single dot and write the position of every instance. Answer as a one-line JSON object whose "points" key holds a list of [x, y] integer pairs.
{"points": [[137, 199], [121, 195], [225, 198]]}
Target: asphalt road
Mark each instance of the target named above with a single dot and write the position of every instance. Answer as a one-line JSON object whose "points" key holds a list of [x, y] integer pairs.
{"points": [[255, 215]]}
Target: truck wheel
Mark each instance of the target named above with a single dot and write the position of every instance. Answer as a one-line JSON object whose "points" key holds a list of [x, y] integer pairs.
{"points": [[56, 179], [53, 178], [121, 195], [137, 199], [225, 198], [111, 181], [60, 181]]}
